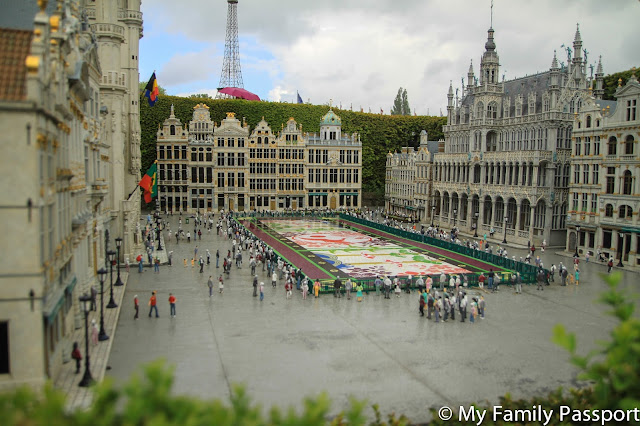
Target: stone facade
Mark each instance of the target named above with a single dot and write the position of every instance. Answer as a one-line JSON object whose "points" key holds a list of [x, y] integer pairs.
{"points": [[408, 181], [207, 167], [117, 25], [604, 190], [507, 150], [57, 163]]}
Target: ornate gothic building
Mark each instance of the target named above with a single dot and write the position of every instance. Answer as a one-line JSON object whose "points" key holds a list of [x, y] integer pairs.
{"points": [[69, 114], [507, 149], [208, 167]]}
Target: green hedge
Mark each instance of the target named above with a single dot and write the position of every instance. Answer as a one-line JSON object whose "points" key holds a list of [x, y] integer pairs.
{"points": [[379, 133]]}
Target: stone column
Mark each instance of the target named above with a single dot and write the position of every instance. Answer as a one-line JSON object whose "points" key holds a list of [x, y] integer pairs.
{"points": [[531, 221], [516, 226], [469, 216]]}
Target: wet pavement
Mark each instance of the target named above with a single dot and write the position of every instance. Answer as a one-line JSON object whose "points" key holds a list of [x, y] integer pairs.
{"points": [[379, 350]]}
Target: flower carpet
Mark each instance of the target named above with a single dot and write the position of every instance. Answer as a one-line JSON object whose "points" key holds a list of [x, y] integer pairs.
{"points": [[354, 253]]}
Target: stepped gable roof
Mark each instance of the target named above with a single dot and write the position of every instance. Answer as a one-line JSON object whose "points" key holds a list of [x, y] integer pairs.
{"points": [[15, 45]]}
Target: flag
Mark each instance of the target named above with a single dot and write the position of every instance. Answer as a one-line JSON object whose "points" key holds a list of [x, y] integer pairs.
{"points": [[299, 99], [151, 91], [149, 183]]}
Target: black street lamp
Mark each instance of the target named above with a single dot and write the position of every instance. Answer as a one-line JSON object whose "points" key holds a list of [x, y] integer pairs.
{"points": [[504, 241], [111, 255], [621, 249], [102, 335], [158, 229], [433, 212], [118, 245], [477, 217], [577, 240], [85, 304]]}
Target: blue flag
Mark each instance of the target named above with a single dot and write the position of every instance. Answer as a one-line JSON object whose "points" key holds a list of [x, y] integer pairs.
{"points": [[299, 99]]}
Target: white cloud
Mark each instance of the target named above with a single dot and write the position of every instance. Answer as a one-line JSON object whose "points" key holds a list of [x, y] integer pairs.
{"points": [[362, 52]]}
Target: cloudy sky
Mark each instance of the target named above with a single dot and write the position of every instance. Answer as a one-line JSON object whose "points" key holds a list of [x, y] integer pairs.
{"points": [[359, 52]]}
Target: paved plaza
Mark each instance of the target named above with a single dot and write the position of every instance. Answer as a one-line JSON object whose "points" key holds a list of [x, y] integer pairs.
{"points": [[379, 350]]}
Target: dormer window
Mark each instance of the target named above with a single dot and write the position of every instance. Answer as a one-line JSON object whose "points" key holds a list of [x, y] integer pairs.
{"points": [[631, 110], [588, 121]]}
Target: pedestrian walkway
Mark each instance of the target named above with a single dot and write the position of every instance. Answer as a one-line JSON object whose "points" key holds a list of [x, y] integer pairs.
{"points": [[67, 380]]}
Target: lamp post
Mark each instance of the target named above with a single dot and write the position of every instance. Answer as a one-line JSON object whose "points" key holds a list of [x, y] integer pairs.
{"points": [[455, 215], [577, 240], [87, 380], [621, 249], [112, 303], [504, 241], [433, 212], [102, 335], [118, 245], [476, 233], [158, 229]]}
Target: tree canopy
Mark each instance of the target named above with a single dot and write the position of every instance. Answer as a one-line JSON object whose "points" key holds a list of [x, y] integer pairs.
{"points": [[401, 103]]}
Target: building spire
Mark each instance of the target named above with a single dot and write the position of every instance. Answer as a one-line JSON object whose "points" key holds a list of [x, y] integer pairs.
{"points": [[491, 20], [577, 36], [599, 69], [554, 62]]}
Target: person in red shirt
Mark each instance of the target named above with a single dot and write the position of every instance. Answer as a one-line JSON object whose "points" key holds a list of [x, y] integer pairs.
{"points": [[152, 304], [481, 279], [172, 304], [136, 305]]}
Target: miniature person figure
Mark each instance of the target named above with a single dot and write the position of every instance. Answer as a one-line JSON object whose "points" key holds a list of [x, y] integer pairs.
{"points": [[172, 304], [136, 306], [75, 354], [94, 332], [359, 289], [152, 304], [220, 285]]}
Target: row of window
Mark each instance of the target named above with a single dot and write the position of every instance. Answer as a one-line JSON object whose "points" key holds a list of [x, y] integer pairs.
{"points": [[334, 176], [595, 174]]}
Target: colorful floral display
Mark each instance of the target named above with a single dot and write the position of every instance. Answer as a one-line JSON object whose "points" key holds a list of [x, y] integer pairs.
{"points": [[357, 254]]}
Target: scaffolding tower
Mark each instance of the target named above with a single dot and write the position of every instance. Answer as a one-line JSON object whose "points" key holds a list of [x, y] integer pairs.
{"points": [[231, 73]]}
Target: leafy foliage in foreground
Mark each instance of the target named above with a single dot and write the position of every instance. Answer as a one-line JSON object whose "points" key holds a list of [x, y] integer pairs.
{"points": [[148, 401]]}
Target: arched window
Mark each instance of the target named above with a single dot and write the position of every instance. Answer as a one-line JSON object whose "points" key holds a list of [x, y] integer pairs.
{"points": [[479, 110], [588, 121], [492, 110], [612, 145], [628, 145], [627, 183], [626, 212], [172, 130], [608, 210]]}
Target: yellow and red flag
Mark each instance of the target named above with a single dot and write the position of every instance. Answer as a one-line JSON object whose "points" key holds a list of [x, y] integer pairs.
{"points": [[149, 183]]}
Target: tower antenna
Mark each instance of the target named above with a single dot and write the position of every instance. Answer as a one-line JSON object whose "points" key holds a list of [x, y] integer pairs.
{"points": [[231, 73]]}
